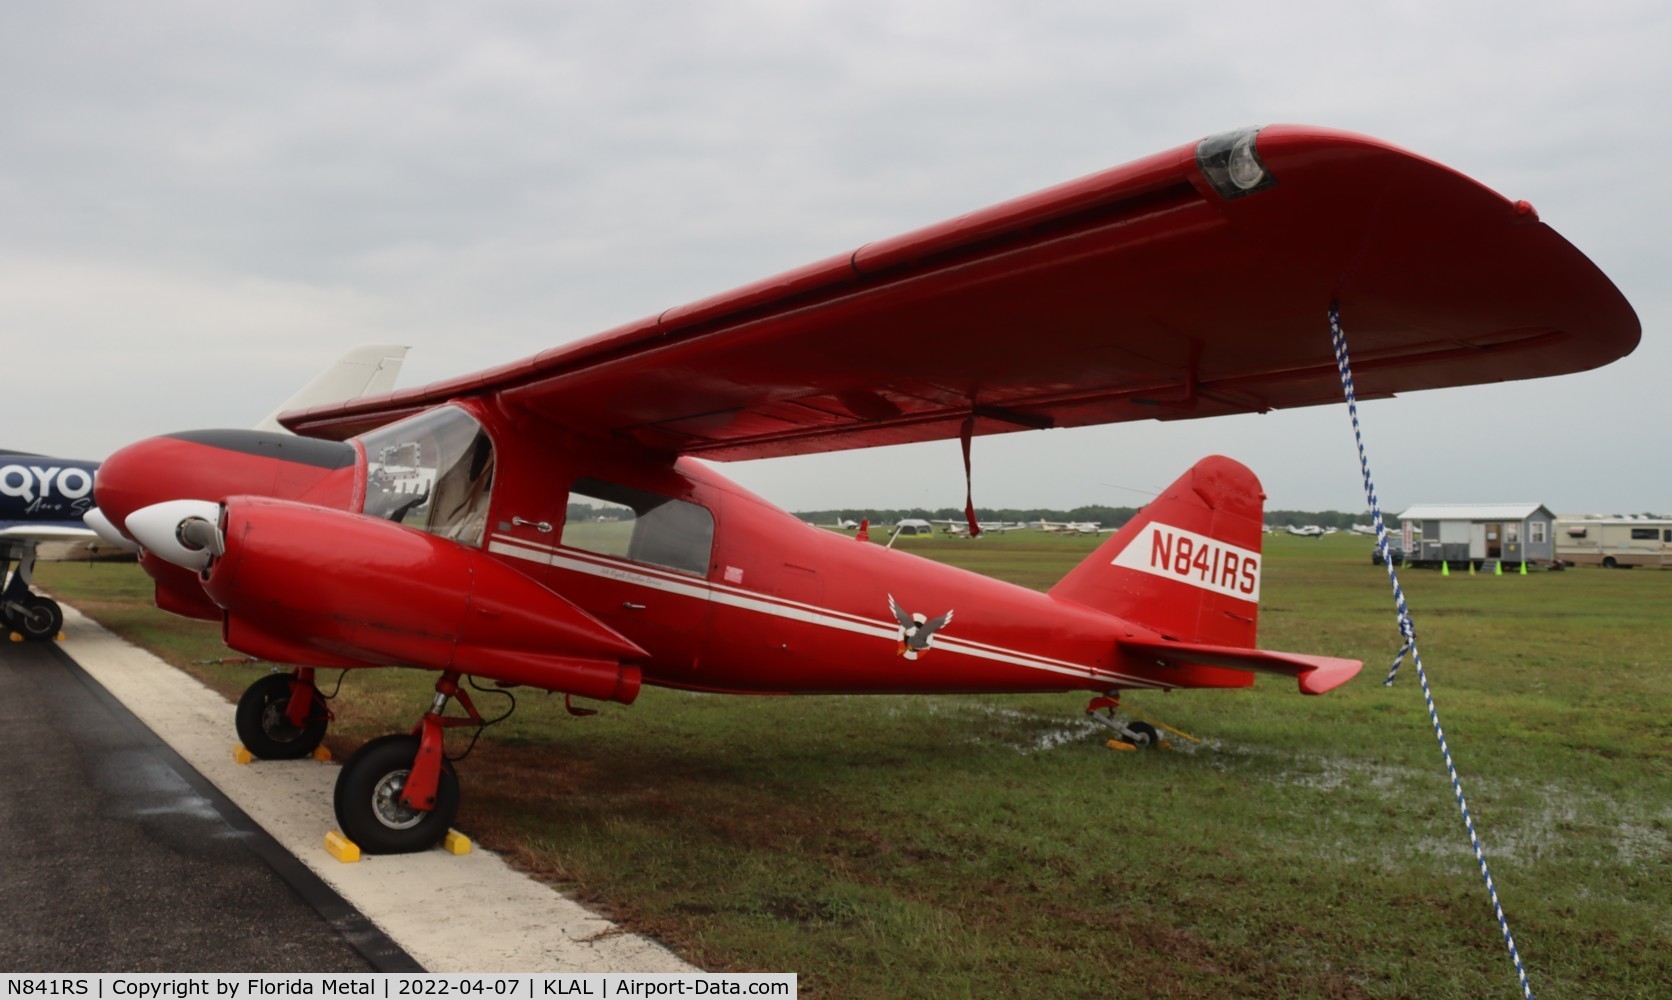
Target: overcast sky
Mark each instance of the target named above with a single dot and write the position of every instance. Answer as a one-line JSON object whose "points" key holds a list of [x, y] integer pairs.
{"points": [[202, 204]]}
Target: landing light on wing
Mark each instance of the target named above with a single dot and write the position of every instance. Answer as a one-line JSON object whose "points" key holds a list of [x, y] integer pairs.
{"points": [[1232, 165]]}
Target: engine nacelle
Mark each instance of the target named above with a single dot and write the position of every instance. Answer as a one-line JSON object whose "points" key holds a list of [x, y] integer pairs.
{"points": [[324, 587]]}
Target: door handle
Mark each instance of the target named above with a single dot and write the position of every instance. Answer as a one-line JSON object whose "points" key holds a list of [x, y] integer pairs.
{"points": [[630, 606], [543, 527]]}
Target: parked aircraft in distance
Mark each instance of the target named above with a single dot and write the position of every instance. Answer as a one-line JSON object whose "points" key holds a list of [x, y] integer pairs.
{"points": [[428, 528], [1068, 527], [952, 526]]}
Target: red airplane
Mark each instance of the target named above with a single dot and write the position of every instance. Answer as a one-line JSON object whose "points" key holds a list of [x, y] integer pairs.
{"points": [[549, 522]]}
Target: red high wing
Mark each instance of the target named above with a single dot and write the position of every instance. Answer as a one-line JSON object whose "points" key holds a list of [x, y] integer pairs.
{"points": [[1136, 293]]}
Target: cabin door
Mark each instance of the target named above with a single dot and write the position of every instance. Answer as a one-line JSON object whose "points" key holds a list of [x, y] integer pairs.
{"points": [[1494, 541]]}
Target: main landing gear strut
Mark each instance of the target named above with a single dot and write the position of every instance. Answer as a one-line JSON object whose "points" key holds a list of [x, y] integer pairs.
{"points": [[36, 618], [399, 793]]}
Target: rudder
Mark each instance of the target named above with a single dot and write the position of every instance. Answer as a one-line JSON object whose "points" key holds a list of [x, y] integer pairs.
{"points": [[1188, 565]]}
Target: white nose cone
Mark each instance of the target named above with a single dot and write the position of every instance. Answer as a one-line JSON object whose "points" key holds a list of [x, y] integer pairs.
{"points": [[175, 530], [95, 519]]}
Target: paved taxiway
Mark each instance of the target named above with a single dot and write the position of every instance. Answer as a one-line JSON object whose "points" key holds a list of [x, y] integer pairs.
{"points": [[135, 842], [117, 855]]}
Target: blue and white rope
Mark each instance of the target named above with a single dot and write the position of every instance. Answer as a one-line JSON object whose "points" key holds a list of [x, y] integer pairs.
{"points": [[1408, 632]]}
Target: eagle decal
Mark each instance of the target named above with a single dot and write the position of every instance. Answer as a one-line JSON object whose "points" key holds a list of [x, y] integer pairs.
{"points": [[916, 631]]}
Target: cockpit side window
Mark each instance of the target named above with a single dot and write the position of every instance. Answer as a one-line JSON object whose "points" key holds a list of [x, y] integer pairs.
{"points": [[433, 471], [615, 520]]}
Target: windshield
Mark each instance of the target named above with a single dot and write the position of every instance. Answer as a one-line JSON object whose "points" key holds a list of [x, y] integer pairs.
{"points": [[433, 472]]}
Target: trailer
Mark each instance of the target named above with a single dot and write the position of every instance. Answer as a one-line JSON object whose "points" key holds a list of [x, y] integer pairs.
{"points": [[1478, 534], [1614, 542]]}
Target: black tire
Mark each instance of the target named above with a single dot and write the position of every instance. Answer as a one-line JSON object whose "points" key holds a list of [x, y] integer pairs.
{"points": [[368, 793], [263, 728], [1609, 563], [40, 620], [1147, 736]]}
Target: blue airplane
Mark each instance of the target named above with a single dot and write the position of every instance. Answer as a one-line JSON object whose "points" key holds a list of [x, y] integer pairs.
{"points": [[41, 500]]}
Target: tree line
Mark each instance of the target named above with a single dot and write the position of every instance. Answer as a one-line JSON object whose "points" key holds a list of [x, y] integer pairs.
{"points": [[1108, 517]]}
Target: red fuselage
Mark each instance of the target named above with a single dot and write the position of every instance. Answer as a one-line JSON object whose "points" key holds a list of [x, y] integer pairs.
{"points": [[740, 597]]}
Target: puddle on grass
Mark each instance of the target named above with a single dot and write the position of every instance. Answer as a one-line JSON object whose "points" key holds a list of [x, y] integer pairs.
{"points": [[1036, 733], [1566, 824], [1530, 822]]}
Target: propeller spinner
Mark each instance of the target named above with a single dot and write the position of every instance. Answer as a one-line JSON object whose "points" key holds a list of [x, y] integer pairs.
{"points": [[95, 519], [184, 532]]}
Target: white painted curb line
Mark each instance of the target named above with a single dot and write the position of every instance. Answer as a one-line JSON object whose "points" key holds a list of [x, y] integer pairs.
{"points": [[469, 913]]}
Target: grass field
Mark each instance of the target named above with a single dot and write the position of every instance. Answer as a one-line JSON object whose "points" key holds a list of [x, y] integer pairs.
{"points": [[991, 846]]}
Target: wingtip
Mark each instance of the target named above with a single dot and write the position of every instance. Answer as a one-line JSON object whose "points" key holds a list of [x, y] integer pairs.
{"points": [[1329, 674]]}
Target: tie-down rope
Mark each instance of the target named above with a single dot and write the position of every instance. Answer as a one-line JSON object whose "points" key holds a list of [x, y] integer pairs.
{"points": [[1409, 633]]}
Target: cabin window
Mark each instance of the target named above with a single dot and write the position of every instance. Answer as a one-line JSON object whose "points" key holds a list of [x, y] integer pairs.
{"points": [[615, 520], [1535, 533], [1645, 534], [1512, 534], [433, 472]]}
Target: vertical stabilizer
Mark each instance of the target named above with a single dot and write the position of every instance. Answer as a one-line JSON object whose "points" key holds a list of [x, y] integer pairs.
{"points": [[1188, 565]]}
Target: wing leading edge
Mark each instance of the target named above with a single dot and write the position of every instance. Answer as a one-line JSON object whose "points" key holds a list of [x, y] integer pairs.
{"points": [[1140, 292]]}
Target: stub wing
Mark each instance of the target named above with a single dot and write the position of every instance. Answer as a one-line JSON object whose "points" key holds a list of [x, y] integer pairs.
{"points": [[1155, 290], [24, 531], [1315, 674]]}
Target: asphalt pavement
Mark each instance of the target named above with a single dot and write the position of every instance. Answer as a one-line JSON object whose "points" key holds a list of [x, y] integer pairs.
{"points": [[117, 856]]}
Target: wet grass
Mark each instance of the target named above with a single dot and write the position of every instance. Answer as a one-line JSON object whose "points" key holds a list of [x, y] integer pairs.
{"points": [[986, 846]]}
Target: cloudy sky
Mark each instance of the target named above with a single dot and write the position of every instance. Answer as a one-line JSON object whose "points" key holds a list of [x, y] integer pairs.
{"points": [[201, 204]]}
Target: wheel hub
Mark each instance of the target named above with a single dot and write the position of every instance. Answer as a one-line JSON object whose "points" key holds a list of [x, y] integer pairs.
{"points": [[386, 803], [276, 723]]}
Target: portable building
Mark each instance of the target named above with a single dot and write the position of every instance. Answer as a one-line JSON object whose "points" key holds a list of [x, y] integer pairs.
{"points": [[1479, 532]]}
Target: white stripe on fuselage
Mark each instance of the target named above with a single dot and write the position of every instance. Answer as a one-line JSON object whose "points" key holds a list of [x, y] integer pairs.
{"points": [[639, 575]]}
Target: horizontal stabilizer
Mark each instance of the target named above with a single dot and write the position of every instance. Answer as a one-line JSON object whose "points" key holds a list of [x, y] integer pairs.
{"points": [[1316, 674]]}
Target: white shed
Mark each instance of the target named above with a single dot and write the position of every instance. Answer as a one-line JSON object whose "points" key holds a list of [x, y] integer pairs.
{"points": [[1477, 532]]}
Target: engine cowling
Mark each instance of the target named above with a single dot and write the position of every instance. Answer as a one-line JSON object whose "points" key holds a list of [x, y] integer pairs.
{"points": [[324, 587]]}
